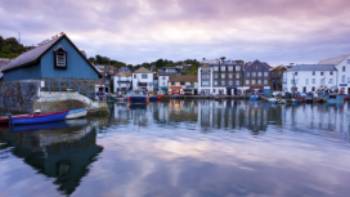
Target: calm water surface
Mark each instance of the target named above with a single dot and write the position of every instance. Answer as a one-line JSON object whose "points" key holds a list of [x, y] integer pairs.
{"points": [[183, 148]]}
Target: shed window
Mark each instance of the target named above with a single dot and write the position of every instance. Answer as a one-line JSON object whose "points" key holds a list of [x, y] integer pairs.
{"points": [[60, 58]]}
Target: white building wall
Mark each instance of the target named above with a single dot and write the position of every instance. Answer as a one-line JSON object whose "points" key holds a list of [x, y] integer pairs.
{"points": [[343, 80], [138, 78], [308, 80], [117, 79]]}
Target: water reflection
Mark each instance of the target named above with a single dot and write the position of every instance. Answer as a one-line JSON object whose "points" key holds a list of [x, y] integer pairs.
{"points": [[185, 148], [62, 150]]}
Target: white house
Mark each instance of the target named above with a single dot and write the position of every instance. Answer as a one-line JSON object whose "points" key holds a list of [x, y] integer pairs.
{"points": [[310, 78], [163, 80], [122, 82], [143, 79], [342, 64]]}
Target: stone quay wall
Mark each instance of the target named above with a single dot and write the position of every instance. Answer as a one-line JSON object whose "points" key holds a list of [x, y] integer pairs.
{"points": [[18, 96], [21, 96]]}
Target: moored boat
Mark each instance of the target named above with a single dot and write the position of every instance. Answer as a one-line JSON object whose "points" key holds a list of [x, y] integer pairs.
{"points": [[37, 118], [253, 97], [76, 113], [334, 99], [137, 98], [4, 120]]}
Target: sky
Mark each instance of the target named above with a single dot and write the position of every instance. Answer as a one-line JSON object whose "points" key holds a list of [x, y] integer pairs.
{"points": [[136, 31]]}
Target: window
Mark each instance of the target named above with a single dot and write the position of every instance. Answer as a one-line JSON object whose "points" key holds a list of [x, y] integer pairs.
{"points": [[253, 74], [216, 68], [343, 78], [215, 83], [222, 68], [321, 73], [248, 74], [306, 81], [60, 58], [259, 81], [253, 82], [230, 68], [238, 83], [216, 76], [322, 81], [313, 89], [237, 75], [230, 76], [223, 83], [247, 82], [144, 76], [331, 73], [223, 76], [266, 74], [259, 74], [344, 68], [238, 68], [230, 83], [295, 73], [313, 73], [330, 81], [182, 83]]}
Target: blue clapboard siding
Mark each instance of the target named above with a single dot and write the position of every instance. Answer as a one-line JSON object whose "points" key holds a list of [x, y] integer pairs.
{"points": [[77, 66], [27, 72]]}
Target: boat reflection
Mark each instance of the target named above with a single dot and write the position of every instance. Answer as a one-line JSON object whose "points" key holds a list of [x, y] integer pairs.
{"points": [[62, 150]]}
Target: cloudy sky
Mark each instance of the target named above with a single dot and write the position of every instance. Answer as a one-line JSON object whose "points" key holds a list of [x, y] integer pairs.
{"points": [[134, 31]]}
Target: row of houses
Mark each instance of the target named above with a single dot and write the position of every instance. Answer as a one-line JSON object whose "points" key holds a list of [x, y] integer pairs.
{"points": [[163, 82]]}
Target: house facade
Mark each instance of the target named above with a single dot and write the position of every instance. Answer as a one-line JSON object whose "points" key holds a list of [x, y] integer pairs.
{"points": [[342, 64], [143, 79], [122, 83], [57, 58], [220, 77], [257, 75], [310, 78], [57, 64], [276, 77], [183, 85]]}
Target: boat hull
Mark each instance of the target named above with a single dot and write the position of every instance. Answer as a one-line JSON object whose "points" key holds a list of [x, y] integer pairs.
{"points": [[76, 113], [27, 119], [137, 99]]}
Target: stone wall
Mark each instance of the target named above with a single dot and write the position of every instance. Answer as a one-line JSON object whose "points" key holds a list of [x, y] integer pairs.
{"points": [[18, 96], [84, 87]]}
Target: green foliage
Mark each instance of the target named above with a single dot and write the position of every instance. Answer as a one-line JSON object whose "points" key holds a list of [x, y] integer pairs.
{"points": [[103, 60], [10, 48]]}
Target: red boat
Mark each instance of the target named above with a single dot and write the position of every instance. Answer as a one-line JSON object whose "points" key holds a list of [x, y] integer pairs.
{"points": [[4, 120]]}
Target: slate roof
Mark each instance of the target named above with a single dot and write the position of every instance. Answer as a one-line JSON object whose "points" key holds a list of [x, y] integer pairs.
{"points": [[183, 78], [256, 65], [335, 60], [3, 62], [143, 70], [34, 55], [313, 67]]}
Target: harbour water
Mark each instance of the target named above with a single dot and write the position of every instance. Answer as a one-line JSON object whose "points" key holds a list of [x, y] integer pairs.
{"points": [[183, 148]]}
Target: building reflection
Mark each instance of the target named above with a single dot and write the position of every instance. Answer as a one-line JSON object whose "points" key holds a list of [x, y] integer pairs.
{"points": [[63, 154]]}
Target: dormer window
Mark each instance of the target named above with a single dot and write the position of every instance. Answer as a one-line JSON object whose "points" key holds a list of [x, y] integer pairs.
{"points": [[60, 58]]}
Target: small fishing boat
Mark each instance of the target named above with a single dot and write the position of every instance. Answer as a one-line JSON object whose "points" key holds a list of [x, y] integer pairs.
{"points": [[37, 118], [254, 97], [153, 98], [76, 113], [4, 120], [137, 97], [334, 99]]}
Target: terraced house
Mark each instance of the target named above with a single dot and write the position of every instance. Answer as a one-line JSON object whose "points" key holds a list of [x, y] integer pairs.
{"points": [[220, 77], [257, 75]]}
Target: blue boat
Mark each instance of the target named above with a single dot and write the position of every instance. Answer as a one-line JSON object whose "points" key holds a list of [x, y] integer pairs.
{"points": [[137, 97], [253, 97], [26, 119], [153, 99], [335, 99]]}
